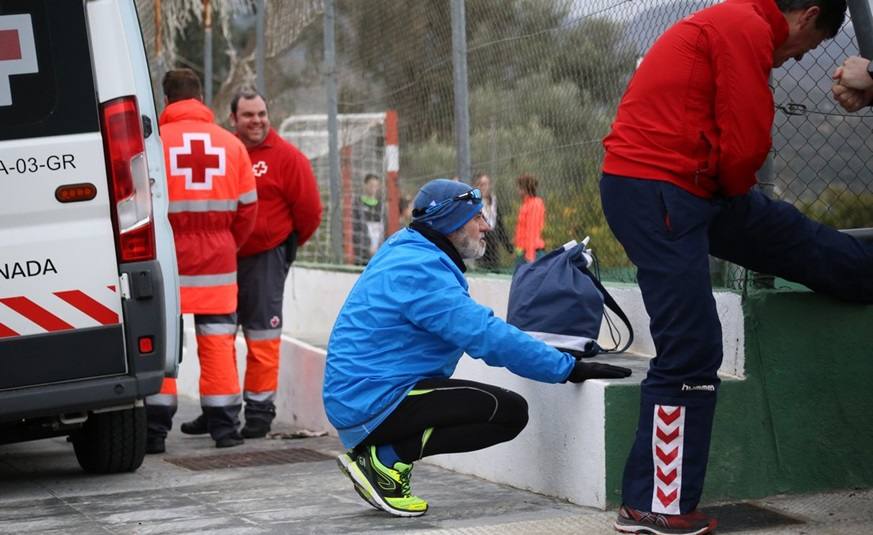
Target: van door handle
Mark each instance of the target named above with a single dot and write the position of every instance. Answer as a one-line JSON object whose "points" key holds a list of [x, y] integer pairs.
{"points": [[146, 126]]}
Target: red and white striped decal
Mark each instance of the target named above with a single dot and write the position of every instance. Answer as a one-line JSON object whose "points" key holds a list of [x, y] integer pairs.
{"points": [[668, 435], [47, 312], [6, 332]]}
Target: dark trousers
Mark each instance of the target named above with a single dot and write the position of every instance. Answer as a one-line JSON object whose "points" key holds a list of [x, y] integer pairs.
{"points": [[261, 278], [668, 234], [462, 416]]}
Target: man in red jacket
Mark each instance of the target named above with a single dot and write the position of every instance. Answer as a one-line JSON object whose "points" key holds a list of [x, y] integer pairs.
{"points": [[691, 130], [289, 212], [213, 203]]}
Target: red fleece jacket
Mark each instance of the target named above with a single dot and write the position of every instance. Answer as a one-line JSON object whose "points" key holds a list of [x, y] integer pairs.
{"points": [[288, 197], [698, 112]]}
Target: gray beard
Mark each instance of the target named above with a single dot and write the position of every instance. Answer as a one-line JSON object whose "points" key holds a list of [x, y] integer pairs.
{"points": [[467, 248]]}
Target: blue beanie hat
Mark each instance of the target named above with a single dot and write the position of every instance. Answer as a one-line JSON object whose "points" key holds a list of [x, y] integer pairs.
{"points": [[431, 209]]}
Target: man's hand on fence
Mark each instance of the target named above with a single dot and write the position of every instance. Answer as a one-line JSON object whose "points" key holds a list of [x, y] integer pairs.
{"points": [[851, 99], [853, 85], [596, 370], [853, 73]]}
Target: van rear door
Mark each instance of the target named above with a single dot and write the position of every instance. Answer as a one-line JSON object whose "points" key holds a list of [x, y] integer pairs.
{"points": [[60, 292]]}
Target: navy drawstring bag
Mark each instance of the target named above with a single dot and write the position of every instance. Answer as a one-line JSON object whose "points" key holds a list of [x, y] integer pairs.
{"points": [[556, 299]]}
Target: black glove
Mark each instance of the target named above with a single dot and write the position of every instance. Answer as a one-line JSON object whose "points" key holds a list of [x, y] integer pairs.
{"points": [[596, 370]]}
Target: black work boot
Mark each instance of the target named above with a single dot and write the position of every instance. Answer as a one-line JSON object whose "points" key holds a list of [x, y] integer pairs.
{"points": [[255, 429], [155, 444], [259, 416], [159, 420], [197, 426], [229, 441], [223, 423]]}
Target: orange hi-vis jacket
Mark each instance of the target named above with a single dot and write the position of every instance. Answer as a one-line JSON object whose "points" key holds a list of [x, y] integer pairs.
{"points": [[213, 204], [529, 227]]}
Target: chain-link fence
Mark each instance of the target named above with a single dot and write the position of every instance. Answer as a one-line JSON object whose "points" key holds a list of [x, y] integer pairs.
{"points": [[543, 81]]}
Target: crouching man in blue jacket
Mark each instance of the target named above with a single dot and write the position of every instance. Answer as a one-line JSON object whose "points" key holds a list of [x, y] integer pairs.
{"points": [[398, 339]]}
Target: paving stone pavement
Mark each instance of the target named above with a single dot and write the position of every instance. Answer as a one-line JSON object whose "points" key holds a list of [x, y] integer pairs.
{"points": [[42, 490]]}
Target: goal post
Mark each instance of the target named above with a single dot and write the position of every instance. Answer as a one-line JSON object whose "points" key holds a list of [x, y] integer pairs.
{"points": [[368, 144]]}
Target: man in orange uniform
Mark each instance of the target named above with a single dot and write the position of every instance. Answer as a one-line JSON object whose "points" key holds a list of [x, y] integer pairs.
{"points": [[213, 207], [289, 211]]}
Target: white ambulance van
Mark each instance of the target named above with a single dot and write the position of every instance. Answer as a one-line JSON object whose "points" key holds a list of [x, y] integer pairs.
{"points": [[89, 307]]}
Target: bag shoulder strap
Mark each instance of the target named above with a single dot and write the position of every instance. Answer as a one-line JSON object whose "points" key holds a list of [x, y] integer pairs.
{"points": [[610, 302]]}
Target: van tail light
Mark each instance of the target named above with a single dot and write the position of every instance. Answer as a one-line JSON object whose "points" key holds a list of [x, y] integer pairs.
{"points": [[129, 183]]}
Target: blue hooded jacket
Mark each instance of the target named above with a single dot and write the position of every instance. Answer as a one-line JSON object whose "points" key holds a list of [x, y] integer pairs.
{"points": [[410, 317]]}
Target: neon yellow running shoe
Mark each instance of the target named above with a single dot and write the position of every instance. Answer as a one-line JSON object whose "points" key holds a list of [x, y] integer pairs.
{"points": [[343, 461], [389, 488]]}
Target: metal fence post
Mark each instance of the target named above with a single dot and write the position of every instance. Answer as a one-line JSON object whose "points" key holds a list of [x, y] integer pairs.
{"points": [[461, 94], [207, 52], [862, 21], [336, 229], [259, 45]]}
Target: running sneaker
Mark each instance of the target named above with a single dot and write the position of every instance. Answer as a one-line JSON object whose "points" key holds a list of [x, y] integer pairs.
{"points": [[389, 488], [343, 461], [634, 521]]}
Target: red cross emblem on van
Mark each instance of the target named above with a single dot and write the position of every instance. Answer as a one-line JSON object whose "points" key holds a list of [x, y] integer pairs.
{"points": [[17, 52], [197, 160]]}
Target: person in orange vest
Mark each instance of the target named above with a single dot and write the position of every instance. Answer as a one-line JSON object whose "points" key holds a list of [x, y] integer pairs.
{"points": [[213, 208], [529, 242], [289, 212]]}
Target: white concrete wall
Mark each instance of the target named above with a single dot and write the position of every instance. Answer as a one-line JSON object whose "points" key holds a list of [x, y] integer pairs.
{"points": [[561, 452], [301, 375], [313, 298]]}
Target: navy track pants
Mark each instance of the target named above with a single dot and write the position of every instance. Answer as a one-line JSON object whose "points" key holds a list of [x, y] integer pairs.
{"points": [[668, 234]]}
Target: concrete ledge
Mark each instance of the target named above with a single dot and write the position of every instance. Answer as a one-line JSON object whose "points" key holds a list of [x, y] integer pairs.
{"points": [[313, 298]]}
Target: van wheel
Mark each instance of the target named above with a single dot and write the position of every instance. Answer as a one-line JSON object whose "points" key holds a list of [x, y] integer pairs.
{"points": [[112, 442]]}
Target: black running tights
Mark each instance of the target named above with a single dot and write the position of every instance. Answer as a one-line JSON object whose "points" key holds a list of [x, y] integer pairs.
{"points": [[464, 415]]}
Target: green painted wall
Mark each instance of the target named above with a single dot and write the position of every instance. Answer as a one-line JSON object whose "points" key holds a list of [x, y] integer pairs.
{"points": [[801, 421]]}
